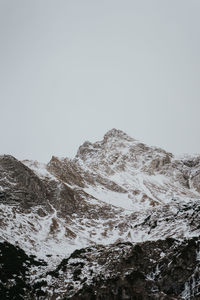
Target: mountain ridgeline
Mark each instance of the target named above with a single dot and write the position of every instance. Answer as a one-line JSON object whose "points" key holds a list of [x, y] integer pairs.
{"points": [[119, 221]]}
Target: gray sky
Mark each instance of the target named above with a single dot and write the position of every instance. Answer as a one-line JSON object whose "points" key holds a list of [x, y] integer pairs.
{"points": [[71, 70]]}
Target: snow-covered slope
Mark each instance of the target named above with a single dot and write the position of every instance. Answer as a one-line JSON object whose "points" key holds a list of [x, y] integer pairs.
{"points": [[115, 190]]}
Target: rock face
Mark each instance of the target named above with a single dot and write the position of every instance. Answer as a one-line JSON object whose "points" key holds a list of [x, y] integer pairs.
{"points": [[152, 270], [19, 184], [129, 211], [163, 269]]}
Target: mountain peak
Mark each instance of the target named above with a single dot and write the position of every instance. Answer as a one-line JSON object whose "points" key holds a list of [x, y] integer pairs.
{"points": [[114, 138], [116, 133]]}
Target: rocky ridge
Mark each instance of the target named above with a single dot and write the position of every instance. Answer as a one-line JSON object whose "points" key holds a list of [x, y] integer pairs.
{"points": [[115, 194]]}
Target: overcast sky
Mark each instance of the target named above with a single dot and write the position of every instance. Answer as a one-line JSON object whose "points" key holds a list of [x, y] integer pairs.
{"points": [[71, 70]]}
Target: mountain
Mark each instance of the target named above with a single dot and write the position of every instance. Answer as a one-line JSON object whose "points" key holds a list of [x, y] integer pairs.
{"points": [[119, 221]]}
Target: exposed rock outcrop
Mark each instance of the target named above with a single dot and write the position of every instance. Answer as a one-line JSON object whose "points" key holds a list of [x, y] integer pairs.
{"points": [[19, 184]]}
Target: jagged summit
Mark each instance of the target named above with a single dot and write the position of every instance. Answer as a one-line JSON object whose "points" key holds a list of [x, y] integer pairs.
{"points": [[118, 151], [119, 142], [117, 134], [113, 138], [114, 141]]}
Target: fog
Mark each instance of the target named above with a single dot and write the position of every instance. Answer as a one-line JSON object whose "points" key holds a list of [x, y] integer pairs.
{"points": [[72, 70]]}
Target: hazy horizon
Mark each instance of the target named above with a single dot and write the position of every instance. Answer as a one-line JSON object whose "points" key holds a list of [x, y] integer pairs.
{"points": [[72, 70]]}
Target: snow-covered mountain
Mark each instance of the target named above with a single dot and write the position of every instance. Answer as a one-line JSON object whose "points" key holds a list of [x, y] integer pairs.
{"points": [[116, 195]]}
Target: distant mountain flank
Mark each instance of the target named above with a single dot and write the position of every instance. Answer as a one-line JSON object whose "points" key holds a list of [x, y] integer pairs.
{"points": [[119, 221]]}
